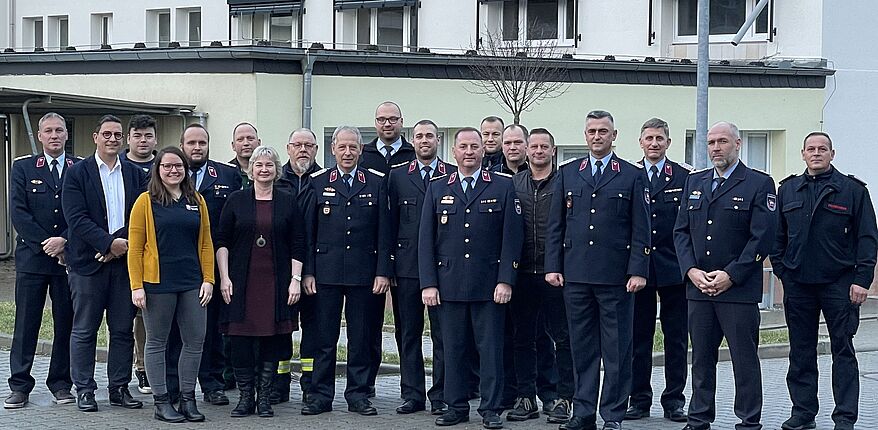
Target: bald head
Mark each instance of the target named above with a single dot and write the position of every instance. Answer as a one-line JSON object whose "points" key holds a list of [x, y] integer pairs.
{"points": [[723, 145], [388, 122]]}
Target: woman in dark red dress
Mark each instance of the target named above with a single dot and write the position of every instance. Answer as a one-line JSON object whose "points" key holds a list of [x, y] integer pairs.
{"points": [[260, 249]]}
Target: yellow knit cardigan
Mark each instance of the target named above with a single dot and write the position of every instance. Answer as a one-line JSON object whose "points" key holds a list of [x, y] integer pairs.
{"points": [[143, 253]]}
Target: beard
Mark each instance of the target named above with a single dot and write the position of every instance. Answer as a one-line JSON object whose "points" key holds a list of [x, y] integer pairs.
{"points": [[301, 166]]}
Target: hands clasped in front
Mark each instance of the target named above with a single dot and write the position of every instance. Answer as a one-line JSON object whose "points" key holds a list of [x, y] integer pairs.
{"points": [[711, 283]]}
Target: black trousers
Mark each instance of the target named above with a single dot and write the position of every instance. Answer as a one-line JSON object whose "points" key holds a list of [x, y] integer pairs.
{"points": [[463, 323], [554, 359], [358, 302], [525, 309], [249, 351], [213, 358], [600, 319], [310, 337], [30, 298], [673, 315], [376, 316], [709, 322], [408, 316], [105, 290], [802, 306]]}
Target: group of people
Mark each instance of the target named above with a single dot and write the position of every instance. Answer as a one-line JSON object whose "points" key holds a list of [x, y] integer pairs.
{"points": [[534, 276]]}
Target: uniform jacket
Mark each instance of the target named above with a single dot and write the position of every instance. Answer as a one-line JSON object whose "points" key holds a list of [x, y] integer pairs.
{"points": [[85, 210], [535, 206], [733, 230], [219, 181], [664, 205], [599, 233], [406, 190], [350, 229], [35, 209], [493, 161], [373, 157], [838, 232], [459, 249]]}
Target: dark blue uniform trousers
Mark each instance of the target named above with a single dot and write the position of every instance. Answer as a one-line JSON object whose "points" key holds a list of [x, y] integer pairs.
{"points": [[802, 306], [554, 359], [105, 290], [600, 319], [30, 298], [310, 336], [408, 315], [463, 322], [709, 322]]}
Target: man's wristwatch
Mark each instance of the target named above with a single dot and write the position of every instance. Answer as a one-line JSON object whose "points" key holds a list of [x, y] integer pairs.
{"points": [[298, 277]]}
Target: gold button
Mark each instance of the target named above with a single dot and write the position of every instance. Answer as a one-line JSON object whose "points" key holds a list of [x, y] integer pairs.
{"points": [[55, 226], [349, 218], [349, 232], [570, 193], [490, 210], [736, 206], [653, 215], [370, 203], [620, 194], [56, 210], [405, 202], [653, 232], [34, 190], [627, 246], [675, 199], [349, 203], [653, 200]]}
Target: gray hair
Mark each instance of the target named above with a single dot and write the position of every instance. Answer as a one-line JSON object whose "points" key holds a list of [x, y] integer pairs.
{"points": [[732, 128], [600, 114], [302, 130], [656, 123], [349, 129], [52, 115], [265, 151]]}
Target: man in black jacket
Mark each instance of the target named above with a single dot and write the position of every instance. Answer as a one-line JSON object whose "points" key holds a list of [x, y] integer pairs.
{"points": [[491, 129], [390, 148], [825, 256]]}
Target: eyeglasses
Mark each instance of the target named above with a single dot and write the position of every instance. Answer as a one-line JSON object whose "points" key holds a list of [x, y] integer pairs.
{"points": [[108, 134], [392, 120], [171, 166], [300, 145]]}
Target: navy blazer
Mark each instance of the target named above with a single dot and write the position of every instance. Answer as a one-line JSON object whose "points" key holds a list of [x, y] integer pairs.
{"points": [[459, 249], [732, 230], [349, 229], [406, 189], [35, 209], [664, 269], [599, 233], [218, 182], [85, 210]]}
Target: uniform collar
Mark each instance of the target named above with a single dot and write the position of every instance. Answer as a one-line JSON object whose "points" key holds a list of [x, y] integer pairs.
{"points": [[728, 173], [342, 173], [604, 161], [396, 145], [61, 158], [660, 165], [433, 164]]}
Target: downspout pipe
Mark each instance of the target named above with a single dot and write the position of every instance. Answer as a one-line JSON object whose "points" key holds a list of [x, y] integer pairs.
{"points": [[749, 22], [27, 125], [307, 75]]}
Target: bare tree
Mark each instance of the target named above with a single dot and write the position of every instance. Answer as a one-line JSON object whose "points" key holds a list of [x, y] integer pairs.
{"points": [[517, 74]]}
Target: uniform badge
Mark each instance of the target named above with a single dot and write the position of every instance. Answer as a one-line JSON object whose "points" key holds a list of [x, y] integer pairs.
{"points": [[646, 194], [615, 166], [69, 162], [447, 200], [412, 166], [41, 162], [326, 210], [333, 175], [517, 206], [441, 168], [771, 202], [486, 176], [36, 181], [515, 265], [569, 202], [668, 171], [583, 164], [361, 176], [443, 219], [211, 171]]}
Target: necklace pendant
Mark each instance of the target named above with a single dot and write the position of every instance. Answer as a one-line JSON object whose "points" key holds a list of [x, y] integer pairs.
{"points": [[260, 241]]}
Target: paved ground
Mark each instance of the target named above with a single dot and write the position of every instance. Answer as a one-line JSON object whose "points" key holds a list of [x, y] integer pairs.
{"points": [[42, 414]]}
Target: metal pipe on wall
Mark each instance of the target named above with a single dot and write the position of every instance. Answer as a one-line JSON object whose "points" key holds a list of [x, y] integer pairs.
{"points": [[749, 22], [307, 75], [9, 238], [27, 125], [699, 147]]}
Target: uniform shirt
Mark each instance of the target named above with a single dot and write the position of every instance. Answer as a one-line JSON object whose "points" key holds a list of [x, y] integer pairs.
{"points": [[61, 159], [433, 165], [659, 166], [353, 174], [395, 146], [594, 163], [726, 175], [114, 193]]}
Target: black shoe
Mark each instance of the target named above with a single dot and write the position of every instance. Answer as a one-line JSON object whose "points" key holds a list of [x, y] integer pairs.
{"points": [[216, 398], [525, 409], [264, 390], [410, 407], [438, 407], [579, 423], [17, 400], [493, 421], [612, 425], [316, 408], [676, 415], [363, 407], [246, 404], [122, 397], [63, 397], [142, 382], [697, 427], [188, 408], [164, 411], [560, 412], [280, 390], [799, 422], [371, 394], [636, 413], [451, 418], [86, 402]]}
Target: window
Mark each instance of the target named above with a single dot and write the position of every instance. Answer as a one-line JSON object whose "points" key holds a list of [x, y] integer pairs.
{"points": [[541, 20], [689, 156], [277, 28], [755, 149], [567, 152], [726, 17], [391, 28], [105, 30], [38, 33], [195, 28], [63, 32], [164, 29], [101, 29]]}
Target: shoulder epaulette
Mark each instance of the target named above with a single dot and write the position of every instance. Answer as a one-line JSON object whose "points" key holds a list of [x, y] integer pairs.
{"points": [[437, 177], [502, 174], [856, 179], [636, 164], [566, 162], [320, 172], [80, 158], [377, 172], [399, 164], [788, 178], [760, 171], [686, 166], [700, 170], [23, 157], [223, 163]]}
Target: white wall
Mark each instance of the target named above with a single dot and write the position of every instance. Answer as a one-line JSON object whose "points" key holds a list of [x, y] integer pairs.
{"points": [[616, 28], [443, 25], [317, 22]]}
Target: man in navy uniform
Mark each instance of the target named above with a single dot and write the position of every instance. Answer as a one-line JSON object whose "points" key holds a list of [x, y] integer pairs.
{"points": [[470, 238], [825, 256], [597, 249], [724, 230], [350, 266], [390, 147], [666, 179], [407, 186], [214, 180], [97, 197], [35, 208]]}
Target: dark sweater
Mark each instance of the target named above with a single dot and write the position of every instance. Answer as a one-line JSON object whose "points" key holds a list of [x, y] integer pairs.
{"points": [[176, 229]]}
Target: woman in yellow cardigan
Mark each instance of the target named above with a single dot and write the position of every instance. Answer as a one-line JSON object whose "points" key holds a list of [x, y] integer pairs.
{"points": [[171, 263]]}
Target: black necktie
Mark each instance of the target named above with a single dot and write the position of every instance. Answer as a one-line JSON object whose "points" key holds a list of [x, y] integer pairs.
{"points": [[719, 183], [597, 172], [470, 183], [654, 181], [388, 152], [54, 173], [347, 180], [426, 178]]}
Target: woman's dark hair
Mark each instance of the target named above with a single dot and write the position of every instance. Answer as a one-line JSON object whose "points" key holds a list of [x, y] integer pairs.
{"points": [[157, 191]]}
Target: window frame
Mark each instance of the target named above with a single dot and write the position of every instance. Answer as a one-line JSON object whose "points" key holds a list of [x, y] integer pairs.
{"points": [[746, 135], [562, 40], [751, 36], [407, 18]]}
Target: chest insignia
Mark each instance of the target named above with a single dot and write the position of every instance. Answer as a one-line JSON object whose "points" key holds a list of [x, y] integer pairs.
{"points": [[36, 181], [737, 199], [211, 171], [771, 202], [443, 219], [447, 200], [615, 166]]}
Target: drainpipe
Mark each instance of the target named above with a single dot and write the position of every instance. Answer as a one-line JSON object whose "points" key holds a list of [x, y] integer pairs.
{"points": [[307, 73], [27, 125], [750, 19]]}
